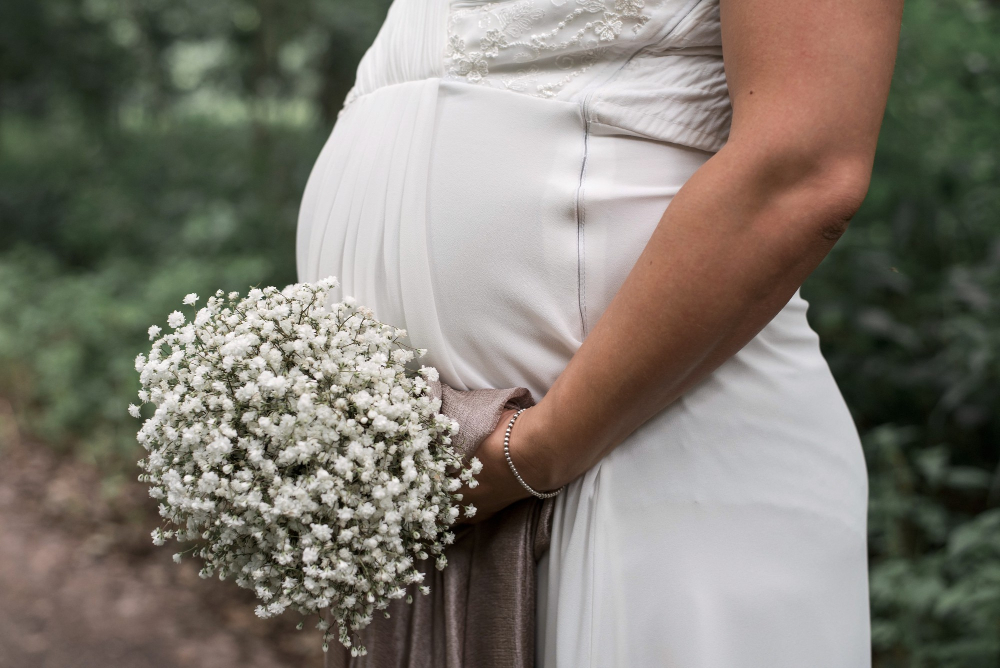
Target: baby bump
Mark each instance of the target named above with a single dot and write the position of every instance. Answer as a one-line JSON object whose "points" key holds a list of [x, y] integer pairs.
{"points": [[450, 210], [494, 227]]}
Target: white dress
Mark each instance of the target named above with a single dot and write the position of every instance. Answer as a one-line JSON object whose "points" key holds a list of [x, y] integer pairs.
{"points": [[495, 173]]}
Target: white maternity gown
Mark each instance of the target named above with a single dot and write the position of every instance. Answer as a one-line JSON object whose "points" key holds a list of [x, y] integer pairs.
{"points": [[495, 173]]}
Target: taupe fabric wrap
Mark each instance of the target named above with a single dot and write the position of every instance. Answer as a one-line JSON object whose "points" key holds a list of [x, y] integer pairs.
{"points": [[481, 609]]}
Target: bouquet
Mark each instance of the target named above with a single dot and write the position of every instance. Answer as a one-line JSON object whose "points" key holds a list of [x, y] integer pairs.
{"points": [[294, 444]]}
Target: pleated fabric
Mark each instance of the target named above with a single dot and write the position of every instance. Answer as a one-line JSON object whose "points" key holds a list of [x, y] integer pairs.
{"points": [[409, 46]]}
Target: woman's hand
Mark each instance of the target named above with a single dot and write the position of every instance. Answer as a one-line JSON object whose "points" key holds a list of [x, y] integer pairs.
{"points": [[498, 488]]}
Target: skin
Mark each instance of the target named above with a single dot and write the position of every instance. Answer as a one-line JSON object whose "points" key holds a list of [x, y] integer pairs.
{"points": [[808, 84]]}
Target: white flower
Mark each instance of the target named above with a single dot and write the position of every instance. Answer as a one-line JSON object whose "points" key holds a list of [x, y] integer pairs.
{"points": [[133, 410], [153, 332], [175, 319], [186, 335], [291, 442], [609, 28], [322, 532], [455, 49], [473, 67], [492, 42], [191, 299]]}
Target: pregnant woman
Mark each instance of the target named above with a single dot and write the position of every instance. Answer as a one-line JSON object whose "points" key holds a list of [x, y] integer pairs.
{"points": [[613, 203]]}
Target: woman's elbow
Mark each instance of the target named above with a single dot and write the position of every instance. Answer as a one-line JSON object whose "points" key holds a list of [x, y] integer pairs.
{"points": [[837, 189], [819, 186]]}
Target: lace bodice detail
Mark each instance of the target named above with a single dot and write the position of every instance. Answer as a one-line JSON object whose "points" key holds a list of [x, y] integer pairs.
{"points": [[653, 67], [537, 49]]}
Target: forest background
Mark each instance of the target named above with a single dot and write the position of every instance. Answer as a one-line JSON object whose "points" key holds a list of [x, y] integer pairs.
{"points": [[151, 148]]}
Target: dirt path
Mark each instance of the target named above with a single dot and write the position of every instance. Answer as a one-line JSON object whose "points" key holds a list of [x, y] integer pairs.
{"points": [[82, 587]]}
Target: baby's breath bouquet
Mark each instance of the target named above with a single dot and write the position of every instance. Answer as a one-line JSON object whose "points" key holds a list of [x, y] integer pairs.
{"points": [[292, 443]]}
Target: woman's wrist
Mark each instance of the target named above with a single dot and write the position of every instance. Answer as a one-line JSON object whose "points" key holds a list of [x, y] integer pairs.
{"points": [[532, 453]]}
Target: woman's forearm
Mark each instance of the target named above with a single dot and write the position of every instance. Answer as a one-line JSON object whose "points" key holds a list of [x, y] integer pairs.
{"points": [[733, 246]]}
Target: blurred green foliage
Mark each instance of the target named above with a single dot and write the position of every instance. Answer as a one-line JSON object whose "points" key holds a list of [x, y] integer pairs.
{"points": [[150, 148], [147, 149]]}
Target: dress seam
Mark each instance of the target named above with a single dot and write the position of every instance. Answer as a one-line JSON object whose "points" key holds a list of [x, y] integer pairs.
{"points": [[581, 218]]}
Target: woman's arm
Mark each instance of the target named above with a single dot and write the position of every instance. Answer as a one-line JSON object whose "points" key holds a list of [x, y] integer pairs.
{"points": [[808, 84]]}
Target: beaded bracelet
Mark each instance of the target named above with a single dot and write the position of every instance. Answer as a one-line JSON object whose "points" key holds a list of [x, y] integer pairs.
{"points": [[506, 452]]}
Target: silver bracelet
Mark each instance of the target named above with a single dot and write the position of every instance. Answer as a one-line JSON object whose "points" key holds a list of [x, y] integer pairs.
{"points": [[506, 453]]}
